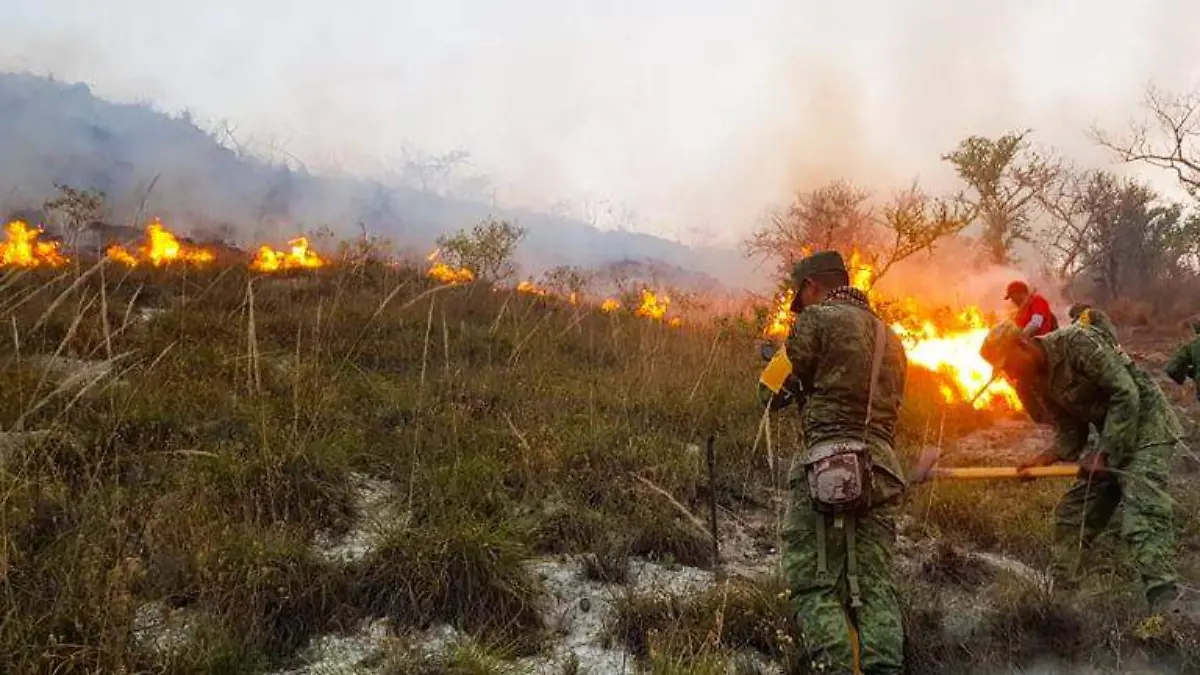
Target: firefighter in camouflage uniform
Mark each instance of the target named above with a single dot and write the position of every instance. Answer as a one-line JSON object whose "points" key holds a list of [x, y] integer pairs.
{"points": [[1082, 381], [1185, 362], [847, 376], [1085, 314]]}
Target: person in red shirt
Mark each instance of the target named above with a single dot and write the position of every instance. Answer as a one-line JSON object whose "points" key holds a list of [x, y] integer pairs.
{"points": [[1033, 312]]}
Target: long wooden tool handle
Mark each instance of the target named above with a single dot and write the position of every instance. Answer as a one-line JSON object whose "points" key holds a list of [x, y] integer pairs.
{"points": [[1011, 472]]}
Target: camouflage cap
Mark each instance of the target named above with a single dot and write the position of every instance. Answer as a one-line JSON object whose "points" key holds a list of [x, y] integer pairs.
{"points": [[1000, 341], [1077, 309], [821, 261]]}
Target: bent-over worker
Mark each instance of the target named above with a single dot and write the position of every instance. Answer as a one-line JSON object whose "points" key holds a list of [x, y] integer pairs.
{"points": [[1185, 362], [1082, 382]]}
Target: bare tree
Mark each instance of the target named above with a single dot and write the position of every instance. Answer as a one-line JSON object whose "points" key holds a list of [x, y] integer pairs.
{"points": [[1070, 206], [841, 217], [225, 135], [1010, 181], [1169, 139], [838, 216], [76, 209], [1122, 237], [432, 173], [914, 222], [567, 280]]}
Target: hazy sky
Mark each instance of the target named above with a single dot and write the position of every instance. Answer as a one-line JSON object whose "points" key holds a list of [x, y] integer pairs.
{"points": [[698, 113]]}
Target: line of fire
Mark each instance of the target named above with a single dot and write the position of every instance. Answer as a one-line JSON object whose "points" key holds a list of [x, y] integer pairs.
{"points": [[943, 342]]}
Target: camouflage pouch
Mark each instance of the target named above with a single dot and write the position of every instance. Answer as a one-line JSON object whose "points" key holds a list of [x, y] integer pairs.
{"points": [[839, 476], [840, 472]]}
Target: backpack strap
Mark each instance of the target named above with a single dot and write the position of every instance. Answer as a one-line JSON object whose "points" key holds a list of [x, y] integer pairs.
{"points": [[846, 522], [851, 540], [876, 364]]}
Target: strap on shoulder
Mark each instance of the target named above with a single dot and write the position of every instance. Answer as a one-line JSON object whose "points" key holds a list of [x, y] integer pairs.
{"points": [[876, 363]]}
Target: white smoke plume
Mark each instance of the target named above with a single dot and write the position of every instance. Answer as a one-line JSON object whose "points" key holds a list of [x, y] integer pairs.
{"points": [[698, 116]]}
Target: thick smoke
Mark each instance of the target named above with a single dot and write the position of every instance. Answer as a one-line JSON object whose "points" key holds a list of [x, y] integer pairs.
{"points": [[699, 116], [950, 276]]}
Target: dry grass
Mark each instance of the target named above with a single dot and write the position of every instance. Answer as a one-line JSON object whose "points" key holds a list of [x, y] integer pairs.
{"points": [[696, 631], [197, 467]]}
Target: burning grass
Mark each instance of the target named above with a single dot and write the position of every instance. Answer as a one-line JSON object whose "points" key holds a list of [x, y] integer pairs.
{"points": [[298, 256], [160, 247], [201, 464], [21, 248]]}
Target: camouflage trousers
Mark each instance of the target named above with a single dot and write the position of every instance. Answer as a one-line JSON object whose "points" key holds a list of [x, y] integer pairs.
{"points": [[837, 638], [1147, 525]]}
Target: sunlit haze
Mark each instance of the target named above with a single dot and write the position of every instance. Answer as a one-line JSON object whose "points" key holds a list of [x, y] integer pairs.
{"points": [[697, 115]]}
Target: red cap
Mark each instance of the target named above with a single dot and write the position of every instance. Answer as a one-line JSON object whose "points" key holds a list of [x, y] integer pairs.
{"points": [[1015, 287]]}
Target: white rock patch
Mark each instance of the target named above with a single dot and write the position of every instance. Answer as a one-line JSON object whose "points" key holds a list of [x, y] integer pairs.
{"points": [[378, 515], [164, 630]]}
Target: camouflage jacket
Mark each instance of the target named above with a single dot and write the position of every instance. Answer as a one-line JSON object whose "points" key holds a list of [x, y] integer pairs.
{"points": [[831, 347], [1088, 383], [1099, 320], [1185, 363]]}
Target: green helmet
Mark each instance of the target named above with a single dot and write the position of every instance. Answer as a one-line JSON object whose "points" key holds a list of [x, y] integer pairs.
{"points": [[821, 261], [1000, 341]]}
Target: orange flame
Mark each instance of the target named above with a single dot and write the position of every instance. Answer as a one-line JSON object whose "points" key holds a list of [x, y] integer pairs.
{"points": [[161, 248], [862, 273], [530, 288], [610, 305], [942, 342], [955, 354], [653, 306], [298, 256], [121, 255], [446, 274], [782, 318], [21, 248]]}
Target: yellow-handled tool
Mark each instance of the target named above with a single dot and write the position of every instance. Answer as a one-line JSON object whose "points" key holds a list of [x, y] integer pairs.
{"points": [[1010, 472], [926, 471]]}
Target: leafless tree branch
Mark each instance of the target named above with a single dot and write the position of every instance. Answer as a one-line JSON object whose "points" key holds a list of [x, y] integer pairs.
{"points": [[1170, 140]]}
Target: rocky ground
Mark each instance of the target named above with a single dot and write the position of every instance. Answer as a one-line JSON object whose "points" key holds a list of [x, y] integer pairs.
{"points": [[579, 610]]}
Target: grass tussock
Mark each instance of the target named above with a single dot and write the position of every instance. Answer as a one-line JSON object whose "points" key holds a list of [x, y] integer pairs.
{"points": [[694, 631], [1006, 517], [459, 660], [469, 575]]}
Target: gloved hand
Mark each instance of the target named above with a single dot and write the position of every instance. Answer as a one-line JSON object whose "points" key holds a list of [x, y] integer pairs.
{"points": [[1093, 463], [1044, 458]]}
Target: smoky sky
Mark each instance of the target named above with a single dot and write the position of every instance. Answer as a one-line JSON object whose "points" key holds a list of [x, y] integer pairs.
{"points": [[698, 115]]}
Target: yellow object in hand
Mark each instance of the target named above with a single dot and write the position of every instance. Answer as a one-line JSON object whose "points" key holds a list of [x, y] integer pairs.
{"points": [[776, 371]]}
